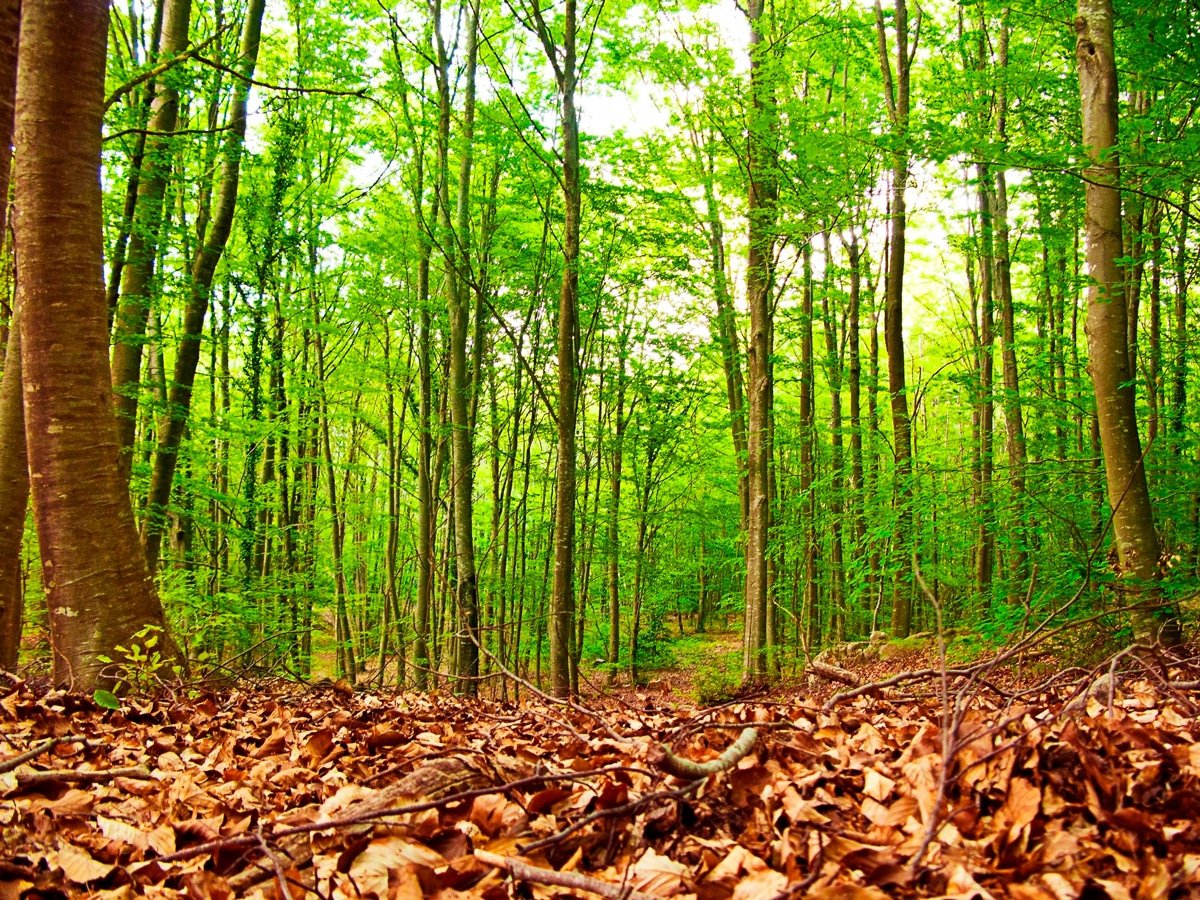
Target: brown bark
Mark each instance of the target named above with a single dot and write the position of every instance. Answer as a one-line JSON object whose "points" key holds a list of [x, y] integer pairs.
{"points": [[614, 517], [763, 192], [985, 548], [456, 247], [14, 466], [1108, 351], [133, 307], [99, 592], [562, 603], [896, 94], [204, 265]]}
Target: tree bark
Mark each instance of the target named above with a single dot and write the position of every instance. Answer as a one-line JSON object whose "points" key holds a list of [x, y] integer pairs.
{"points": [[137, 277], [99, 592], [1108, 351], [204, 265], [562, 603], [896, 93], [761, 203], [456, 247], [14, 463]]}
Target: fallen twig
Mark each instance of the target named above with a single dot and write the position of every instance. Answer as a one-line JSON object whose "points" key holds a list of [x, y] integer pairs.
{"points": [[523, 871], [37, 750], [140, 773]]}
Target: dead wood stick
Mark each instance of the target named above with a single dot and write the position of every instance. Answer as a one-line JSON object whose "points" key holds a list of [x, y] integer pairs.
{"points": [[523, 871], [141, 773], [834, 673], [686, 768], [37, 750]]}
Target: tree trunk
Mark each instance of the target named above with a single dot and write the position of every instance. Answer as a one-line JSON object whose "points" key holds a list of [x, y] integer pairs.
{"points": [[137, 277], [614, 520], [985, 546], [562, 607], [1108, 351], [761, 201], [99, 592], [896, 93], [204, 265], [14, 463], [457, 249]]}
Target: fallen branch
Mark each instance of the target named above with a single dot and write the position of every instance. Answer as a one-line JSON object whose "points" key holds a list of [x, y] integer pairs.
{"points": [[38, 749], [632, 807], [830, 672], [682, 767], [56, 776], [523, 871]]}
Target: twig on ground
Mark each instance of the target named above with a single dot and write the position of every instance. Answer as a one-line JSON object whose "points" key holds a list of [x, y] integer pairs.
{"points": [[523, 871], [37, 750], [632, 806], [139, 773]]}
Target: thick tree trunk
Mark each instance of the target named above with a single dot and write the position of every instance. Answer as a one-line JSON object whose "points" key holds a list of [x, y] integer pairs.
{"points": [[1108, 351], [98, 590]]}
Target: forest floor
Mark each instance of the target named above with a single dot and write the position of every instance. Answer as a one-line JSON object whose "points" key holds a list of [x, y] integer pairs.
{"points": [[992, 780]]}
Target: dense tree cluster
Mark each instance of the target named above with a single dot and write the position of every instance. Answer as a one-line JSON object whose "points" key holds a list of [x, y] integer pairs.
{"points": [[446, 339]]}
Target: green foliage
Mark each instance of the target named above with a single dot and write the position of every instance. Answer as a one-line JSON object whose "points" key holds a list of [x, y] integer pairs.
{"points": [[106, 699], [140, 667]]}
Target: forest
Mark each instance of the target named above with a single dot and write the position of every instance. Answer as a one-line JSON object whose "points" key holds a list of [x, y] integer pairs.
{"points": [[495, 448], [452, 340]]}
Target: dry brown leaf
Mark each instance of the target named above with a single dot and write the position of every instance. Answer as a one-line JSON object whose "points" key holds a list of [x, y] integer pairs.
{"points": [[79, 867], [659, 875]]}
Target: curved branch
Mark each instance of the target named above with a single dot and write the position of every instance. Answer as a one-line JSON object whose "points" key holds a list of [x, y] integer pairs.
{"points": [[686, 768]]}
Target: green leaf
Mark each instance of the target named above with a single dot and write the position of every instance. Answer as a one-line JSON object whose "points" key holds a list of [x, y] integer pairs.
{"points": [[106, 699]]}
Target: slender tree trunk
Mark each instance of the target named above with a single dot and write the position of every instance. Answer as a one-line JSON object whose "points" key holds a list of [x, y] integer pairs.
{"points": [[133, 306], [1014, 420], [763, 194], [14, 462], [1108, 351], [99, 592], [808, 472], [896, 93], [833, 369], [457, 247], [204, 265], [985, 545], [562, 612], [614, 521]]}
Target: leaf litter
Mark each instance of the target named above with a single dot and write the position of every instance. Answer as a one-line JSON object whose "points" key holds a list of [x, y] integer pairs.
{"points": [[288, 792]]}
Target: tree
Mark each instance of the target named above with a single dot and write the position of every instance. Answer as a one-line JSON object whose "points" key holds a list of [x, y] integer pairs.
{"points": [[97, 586], [137, 276], [14, 465], [763, 193], [897, 93], [1108, 351]]}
